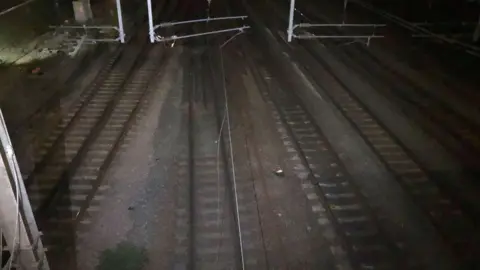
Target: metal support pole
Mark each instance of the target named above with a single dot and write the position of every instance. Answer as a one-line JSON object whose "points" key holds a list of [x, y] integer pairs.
{"points": [[151, 31], [121, 31], [290, 20], [345, 4]]}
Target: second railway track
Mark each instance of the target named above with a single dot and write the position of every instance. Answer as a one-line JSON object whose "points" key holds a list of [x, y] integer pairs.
{"points": [[451, 219], [368, 246], [64, 189], [454, 125], [71, 163], [207, 234], [215, 216]]}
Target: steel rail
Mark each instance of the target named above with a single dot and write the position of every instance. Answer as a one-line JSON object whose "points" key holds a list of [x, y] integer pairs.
{"points": [[223, 120], [203, 85], [69, 121], [108, 63], [241, 238], [101, 122], [440, 208], [144, 87], [40, 152], [114, 103]]}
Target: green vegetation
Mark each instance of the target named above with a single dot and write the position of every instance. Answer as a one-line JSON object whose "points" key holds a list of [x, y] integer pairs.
{"points": [[125, 256]]}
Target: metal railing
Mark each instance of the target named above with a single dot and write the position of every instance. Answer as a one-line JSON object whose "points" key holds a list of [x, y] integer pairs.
{"points": [[17, 223]]}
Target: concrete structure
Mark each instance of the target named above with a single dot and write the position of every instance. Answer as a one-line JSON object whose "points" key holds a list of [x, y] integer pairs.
{"points": [[82, 10]]}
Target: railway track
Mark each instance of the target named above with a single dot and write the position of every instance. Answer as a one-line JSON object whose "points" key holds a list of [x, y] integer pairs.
{"points": [[217, 223], [206, 220], [66, 183], [451, 220], [457, 132], [368, 246], [444, 212], [456, 128], [65, 188], [46, 116]]}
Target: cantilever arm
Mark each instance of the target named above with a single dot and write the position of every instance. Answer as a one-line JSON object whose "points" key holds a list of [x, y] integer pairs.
{"points": [[309, 25], [171, 38], [169, 24]]}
